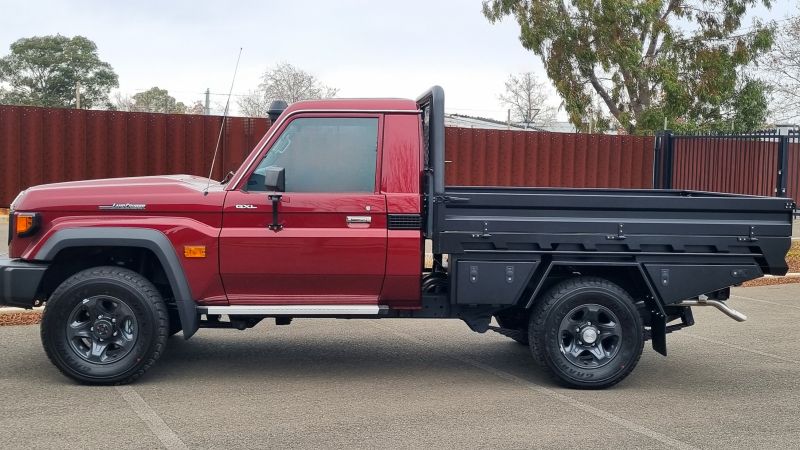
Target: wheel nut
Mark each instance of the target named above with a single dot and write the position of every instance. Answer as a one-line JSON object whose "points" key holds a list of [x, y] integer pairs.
{"points": [[113, 320], [115, 333]]}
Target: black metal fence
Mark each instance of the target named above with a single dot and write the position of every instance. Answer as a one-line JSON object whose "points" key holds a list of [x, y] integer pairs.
{"points": [[760, 163]]}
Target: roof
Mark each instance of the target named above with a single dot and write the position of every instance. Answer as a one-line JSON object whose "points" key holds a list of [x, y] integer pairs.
{"points": [[458, 120], [381, 104], [462, 121]]}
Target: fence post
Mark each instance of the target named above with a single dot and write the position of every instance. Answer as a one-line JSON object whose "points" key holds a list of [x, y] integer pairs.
{"points": [[664, 156], [783, 165], [657, 166]]}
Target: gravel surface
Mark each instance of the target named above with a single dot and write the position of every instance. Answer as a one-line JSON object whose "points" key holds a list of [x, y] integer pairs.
{"points": [[415, 383]]}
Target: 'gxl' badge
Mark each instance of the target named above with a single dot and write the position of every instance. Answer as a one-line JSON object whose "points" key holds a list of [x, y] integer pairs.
{"points": [[246, 206]]}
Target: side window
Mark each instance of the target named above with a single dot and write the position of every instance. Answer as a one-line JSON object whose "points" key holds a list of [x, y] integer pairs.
{"points": [[324, 155]]}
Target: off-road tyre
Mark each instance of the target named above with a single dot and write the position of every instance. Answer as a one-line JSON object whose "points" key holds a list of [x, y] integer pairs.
{"points": [[132, 296], [547, 338]]}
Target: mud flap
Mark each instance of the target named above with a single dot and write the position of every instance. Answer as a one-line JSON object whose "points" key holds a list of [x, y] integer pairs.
{"points": [[658, 333]]}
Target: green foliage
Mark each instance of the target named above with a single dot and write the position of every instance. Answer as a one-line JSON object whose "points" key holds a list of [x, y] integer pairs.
{"points": [[44, 71], [646, 59], [157, 100]]}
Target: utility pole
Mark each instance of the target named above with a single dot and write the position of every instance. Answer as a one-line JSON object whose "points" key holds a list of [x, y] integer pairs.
{"points": [[207, 109], [508, 121], [78, 95]]}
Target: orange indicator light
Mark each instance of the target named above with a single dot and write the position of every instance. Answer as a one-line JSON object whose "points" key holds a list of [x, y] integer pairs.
{"points": [[194, 251]]}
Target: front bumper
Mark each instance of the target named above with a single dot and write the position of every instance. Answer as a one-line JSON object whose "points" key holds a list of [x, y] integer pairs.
{"points": [[19, 282]]}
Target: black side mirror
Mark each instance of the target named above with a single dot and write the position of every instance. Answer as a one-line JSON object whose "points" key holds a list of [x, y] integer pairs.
{"points": [[275, 179]]}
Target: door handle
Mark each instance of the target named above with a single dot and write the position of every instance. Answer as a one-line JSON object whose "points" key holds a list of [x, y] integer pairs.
{"points": [[359, 219]]}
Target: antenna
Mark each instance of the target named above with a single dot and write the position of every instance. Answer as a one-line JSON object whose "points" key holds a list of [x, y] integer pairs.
{"points": [[222, 125]]}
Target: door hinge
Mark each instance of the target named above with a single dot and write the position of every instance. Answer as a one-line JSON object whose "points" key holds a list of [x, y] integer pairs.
{"points": [[751, 238], [485, 233], [449, 199], [620, 234]]}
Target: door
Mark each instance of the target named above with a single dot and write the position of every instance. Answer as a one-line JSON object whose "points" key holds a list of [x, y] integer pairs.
{"points": [[330, 247]]}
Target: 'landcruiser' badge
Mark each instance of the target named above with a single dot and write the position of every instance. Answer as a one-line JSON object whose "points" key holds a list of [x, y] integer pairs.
{"points": [[246, 207], [123, 206]]}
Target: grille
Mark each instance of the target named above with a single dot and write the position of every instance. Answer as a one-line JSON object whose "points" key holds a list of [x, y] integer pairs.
{"points": [[405, 222]]}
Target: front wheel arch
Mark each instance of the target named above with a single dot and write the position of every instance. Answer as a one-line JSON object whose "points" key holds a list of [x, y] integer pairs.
{"points": [[144, 238]]}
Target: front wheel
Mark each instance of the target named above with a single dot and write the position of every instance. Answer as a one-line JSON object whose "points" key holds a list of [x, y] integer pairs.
{"points": [[105, 325], [587, 332]]}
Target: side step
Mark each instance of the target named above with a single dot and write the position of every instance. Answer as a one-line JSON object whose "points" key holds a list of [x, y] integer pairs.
{"points": [[294, 310]]}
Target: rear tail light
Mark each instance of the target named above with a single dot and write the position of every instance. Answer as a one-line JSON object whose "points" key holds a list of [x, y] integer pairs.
{"points": [[25, 224]]}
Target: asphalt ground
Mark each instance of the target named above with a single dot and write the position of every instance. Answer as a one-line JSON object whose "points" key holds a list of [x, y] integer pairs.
{"points": [[330, 383]]}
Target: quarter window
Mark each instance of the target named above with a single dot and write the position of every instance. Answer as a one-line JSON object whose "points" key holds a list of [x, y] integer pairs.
{"points": [[324, 155]]}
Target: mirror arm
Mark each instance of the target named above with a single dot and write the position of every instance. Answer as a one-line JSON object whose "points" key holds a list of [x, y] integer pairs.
{"points": [[276, 200]]}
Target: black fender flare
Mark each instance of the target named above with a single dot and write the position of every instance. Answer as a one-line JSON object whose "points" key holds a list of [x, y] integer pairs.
{"points": [[658, 326], [658, 303], [147, 238]]}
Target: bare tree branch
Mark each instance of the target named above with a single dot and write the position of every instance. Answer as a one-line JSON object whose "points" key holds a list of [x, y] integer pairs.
{"points": [[528, 100]]}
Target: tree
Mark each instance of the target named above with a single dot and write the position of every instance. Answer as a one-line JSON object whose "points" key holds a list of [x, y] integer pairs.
{"points": [[283, 82], [782, 70], [648, 60], [196, 108], [152, 100], [45, 71], [527, 98]]}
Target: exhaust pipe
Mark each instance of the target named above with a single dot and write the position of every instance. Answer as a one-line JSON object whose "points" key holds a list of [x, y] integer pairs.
{"points": [[727, 310]]}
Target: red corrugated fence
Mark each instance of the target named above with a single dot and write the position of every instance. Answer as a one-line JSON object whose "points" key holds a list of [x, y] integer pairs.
{"points": [[477, 157], [741, 166], [45, 145]]}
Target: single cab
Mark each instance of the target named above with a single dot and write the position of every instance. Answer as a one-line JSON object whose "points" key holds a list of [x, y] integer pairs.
{"points": [[329, 217]]}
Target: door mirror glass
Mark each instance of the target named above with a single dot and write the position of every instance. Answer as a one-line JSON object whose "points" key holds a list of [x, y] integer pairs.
{"points": [[275, 179]]}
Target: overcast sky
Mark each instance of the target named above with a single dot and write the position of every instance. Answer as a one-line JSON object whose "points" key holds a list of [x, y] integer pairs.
{"points": [[364, 48]]}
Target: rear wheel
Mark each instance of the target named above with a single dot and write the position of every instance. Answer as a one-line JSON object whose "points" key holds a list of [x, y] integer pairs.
{"points": [[587, 333], [105, 325]]}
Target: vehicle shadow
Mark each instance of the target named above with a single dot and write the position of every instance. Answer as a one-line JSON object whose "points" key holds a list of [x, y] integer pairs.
{"points": [[347, 358], [355, 359]]}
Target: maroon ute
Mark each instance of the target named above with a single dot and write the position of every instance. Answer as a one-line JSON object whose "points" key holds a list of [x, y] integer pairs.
{"points": [[328, 217]]}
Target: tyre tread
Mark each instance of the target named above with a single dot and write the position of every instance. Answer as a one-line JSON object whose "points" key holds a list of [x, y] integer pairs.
{"points": [[133, 280], [539, 316]]}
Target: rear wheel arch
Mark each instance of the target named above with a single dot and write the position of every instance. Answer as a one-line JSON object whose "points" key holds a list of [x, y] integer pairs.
{"points": [[114, 240], [628, 276]]}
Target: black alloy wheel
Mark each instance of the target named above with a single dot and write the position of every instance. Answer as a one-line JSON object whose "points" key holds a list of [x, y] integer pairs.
{"points": [[587, 332], [105, 325]]}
